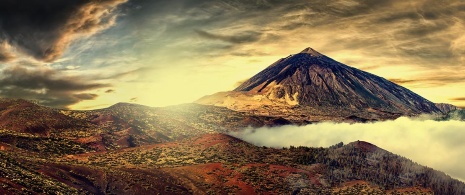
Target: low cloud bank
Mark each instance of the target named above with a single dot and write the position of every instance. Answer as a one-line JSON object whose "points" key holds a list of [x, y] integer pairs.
{"points": [[436, 144]]}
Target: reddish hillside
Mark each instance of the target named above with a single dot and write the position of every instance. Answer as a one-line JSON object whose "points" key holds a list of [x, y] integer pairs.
{"points": [[24, 116], [364, 146]]}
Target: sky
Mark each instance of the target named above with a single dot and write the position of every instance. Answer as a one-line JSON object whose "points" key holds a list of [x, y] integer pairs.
{"points": [[88, 54], [436, 144]]}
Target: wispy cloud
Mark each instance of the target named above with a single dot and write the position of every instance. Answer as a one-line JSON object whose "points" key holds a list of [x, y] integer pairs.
{"points": [[431, 80], [416, 32], [458, 99], [241, 38], [403, 81], [110, 91]]}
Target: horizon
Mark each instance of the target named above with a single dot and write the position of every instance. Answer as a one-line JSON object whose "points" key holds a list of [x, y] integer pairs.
{"points": [[132, 101], [161, 53]]}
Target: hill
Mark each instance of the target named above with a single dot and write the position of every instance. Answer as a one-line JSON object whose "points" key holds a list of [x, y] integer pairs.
{"points": [[120, 126]]}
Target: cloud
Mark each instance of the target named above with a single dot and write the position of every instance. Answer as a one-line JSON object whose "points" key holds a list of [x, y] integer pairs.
{"points": [[44, 29], [5, 53], [48, 86], [421, 33], [241, 38], [431, 79], [248, 53], [403, 81], [458, 99], [431, 143], [137, 71], [110, 91], [85, 96]]}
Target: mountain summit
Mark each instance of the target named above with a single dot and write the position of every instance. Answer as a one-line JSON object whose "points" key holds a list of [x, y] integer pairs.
{"points": [[309, 84], [311, 51]]}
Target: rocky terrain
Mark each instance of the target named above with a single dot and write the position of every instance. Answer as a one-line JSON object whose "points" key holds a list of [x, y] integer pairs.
{"points": [[309, 85], [446, 108], [186, 149]]}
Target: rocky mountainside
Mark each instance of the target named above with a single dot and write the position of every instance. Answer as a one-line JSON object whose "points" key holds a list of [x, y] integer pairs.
{"points": [[446, 108], [312, 84]]}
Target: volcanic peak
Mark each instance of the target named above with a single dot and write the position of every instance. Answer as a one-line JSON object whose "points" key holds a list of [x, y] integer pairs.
{"points": [[312, 84], [311, 51]]}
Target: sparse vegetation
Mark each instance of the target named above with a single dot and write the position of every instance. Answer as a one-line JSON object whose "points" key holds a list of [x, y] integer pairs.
{"points": [[130, 149]]}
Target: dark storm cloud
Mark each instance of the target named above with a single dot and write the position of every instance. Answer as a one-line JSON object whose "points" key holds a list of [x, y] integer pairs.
{"points": [[241, 38], [43, 78], [110, 91], [44, 29], [46, 85]]}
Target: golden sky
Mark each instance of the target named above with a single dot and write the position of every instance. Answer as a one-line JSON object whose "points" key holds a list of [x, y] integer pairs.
{"points": [[88, 54]]}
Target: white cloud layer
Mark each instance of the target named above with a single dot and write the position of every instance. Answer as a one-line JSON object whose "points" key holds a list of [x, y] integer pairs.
{"points": [[436, 144]]}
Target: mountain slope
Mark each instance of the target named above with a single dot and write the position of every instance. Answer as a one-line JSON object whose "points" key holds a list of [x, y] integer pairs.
{"points": [[24, 116], [314, 84], [29, 126], [446, 108], [221, 164]]}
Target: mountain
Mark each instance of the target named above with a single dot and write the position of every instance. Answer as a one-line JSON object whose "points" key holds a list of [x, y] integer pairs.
{"points": [[313, 86], [456, 114], [446, 108]]}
